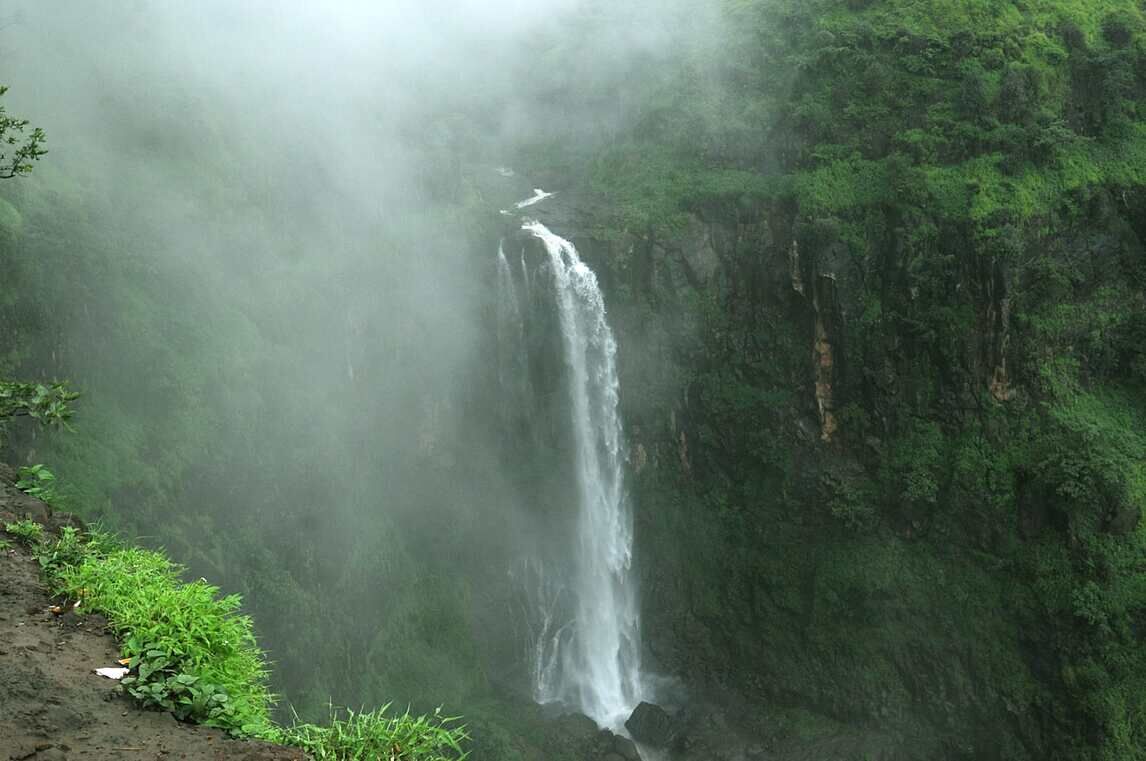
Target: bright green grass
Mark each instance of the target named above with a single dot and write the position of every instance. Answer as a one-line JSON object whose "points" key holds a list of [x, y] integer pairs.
{"points": [[28, 532], [151, 609], [193, 654], [374, 735]]}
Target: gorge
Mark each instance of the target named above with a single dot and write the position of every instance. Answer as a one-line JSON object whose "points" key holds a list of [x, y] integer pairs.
{"points": [[791, 383]]}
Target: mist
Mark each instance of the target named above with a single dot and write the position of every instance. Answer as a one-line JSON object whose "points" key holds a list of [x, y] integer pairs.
{"points": [[733, 380], [281, 223]]}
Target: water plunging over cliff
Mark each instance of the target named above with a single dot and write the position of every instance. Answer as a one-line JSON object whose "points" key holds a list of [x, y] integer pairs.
{"points": [[592, 660]]}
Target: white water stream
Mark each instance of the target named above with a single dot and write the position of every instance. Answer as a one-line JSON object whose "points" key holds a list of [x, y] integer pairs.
{"points": [[591, 662]]}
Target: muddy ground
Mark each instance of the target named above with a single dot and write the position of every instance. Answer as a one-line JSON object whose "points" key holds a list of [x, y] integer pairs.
{"points": [[53, 706]]}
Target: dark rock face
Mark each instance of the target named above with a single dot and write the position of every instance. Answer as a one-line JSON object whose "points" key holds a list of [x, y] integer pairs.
{"points": [[16, 505], [576, 736], [772, 406], [612, 747], [652, 725], [23, 506]]}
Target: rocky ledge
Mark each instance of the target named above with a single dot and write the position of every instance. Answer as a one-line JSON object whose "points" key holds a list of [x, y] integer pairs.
{"points": [[53, 706]]}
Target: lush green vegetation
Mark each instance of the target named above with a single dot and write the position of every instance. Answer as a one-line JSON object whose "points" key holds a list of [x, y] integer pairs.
{"points": [[20, 146], [941, 201], [949, 197], [189, 649], [46, 403], [174, 447], [371, 735], [39, 482], [190, 652], [28, 532]]}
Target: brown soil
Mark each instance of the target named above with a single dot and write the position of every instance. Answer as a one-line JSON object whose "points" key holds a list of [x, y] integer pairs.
{"points": [[52, 704]]}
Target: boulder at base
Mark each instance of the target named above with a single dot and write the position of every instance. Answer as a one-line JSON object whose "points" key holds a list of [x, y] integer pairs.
{"points": [[611, 747], [651, 725]]}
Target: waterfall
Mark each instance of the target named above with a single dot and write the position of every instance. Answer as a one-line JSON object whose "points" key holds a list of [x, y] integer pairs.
{"points": [[591, 662]]}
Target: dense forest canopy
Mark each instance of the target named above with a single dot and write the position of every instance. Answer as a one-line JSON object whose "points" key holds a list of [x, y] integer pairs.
{"points": [[878, 278]]}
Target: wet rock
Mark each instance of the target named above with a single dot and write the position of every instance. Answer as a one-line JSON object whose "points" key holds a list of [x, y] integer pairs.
{"points": [[626, 749], [576, 735], [62, 520], [576, 725], [24, 506], [613, 747], [699, 254], [51, 754], [652, 725]]}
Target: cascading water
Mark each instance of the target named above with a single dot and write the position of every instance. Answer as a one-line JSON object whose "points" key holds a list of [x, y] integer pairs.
{"points": [[590, 658]]}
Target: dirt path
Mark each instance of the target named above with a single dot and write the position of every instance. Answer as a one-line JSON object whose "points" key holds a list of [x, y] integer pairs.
{"points": [[53, 707]]}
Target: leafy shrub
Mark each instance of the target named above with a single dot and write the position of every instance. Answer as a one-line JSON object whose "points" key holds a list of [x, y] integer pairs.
{"points": [[852, 499], [189, 650], [28, 532], [190, 653], [68, 549], [157, 681], [913, 470], [49, 404], [39, 482], [24, 142]]}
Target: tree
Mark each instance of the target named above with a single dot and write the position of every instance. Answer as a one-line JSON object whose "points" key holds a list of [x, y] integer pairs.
{"points": [[46, 403], [18, 147]]}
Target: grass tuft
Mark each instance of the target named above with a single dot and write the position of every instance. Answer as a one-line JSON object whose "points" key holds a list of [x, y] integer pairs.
{"points": [[27, 532], [374, 735]]}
